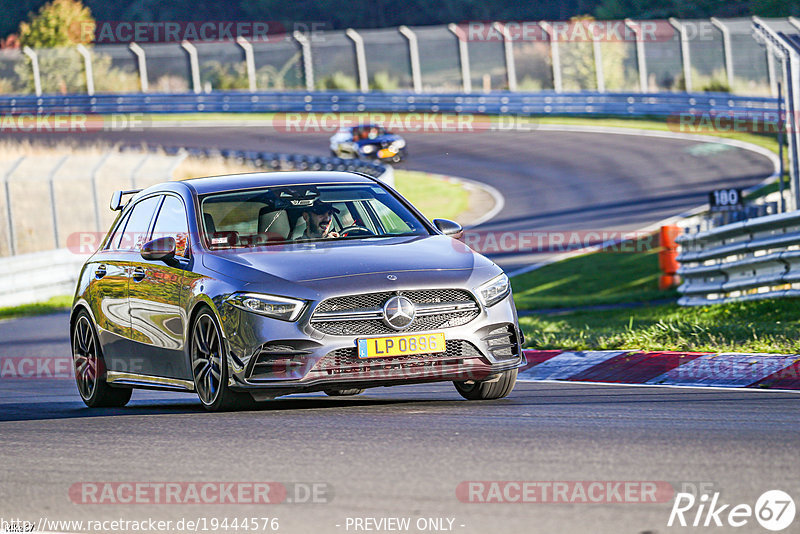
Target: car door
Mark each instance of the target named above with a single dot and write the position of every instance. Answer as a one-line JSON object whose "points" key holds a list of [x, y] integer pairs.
{"points": [[154, 295], [110, 270]]}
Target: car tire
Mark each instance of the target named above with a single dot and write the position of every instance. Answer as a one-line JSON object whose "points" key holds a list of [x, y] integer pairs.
{"points": [[476, 390], [343, 392], [90, 368], [209, 361]]}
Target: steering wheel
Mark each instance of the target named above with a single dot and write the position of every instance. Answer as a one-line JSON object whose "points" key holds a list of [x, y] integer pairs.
{"points": [[361, 230]]}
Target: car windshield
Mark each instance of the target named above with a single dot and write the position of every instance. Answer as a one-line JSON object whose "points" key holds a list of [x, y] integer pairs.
{"points": [[292, 214]]}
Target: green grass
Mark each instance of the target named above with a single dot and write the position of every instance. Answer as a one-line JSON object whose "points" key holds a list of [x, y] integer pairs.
{"points": [[608, 277], [434, 197], [760, 326], [49, 306], [618, 279]]}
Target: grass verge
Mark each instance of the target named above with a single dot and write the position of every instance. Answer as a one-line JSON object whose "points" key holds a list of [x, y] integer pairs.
{"points": [[38, 308], [760, 326], [627, 284], [427, 194]]}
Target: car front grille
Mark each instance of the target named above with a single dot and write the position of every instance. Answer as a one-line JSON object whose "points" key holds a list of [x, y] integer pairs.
{"points": [[363, 314], [345, 361]]}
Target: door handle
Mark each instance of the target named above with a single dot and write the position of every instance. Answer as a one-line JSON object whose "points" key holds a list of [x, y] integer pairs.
{"points": [[138, 274], [100, 272]]}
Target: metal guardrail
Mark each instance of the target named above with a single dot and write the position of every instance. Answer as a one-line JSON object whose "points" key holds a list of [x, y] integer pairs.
{"points": [[748, 260], [500, 103]]}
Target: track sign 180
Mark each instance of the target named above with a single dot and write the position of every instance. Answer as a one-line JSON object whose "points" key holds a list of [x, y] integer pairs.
{"points": [[725, 199]]}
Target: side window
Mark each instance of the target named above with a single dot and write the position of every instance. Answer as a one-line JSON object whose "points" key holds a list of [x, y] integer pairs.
{"points": [[171, 222], [135, 232], [119, 230]]}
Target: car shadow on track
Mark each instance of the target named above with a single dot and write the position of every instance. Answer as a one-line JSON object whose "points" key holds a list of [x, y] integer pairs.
{"points": [[69, 410]]}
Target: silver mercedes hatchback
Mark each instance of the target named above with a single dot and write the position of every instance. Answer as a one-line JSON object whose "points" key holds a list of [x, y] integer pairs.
{"points": [[243, 288]]}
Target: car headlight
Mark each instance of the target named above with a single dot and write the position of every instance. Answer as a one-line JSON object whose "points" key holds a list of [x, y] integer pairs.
{"points": [[494, 290], [282, 308], [368, 149], [400, 143]]}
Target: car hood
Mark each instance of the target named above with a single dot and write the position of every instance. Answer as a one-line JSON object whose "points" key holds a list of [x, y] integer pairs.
{"points": [[356, 265]]}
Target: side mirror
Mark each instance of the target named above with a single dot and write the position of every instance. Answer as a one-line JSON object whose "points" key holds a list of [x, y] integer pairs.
{"points": [[162, 248], [451, 228]]}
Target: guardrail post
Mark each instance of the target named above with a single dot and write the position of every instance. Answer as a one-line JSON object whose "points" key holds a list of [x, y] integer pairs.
{"points": [[727, 52], [463, 56], [249, 61], [686, 58], [361, 59], [194, 65], [555, 58], [508, 49], [141, 60], [9, 217], [87, 68], [791, 66], [641, 59], [37, 78], [413, 54], [51, 178], [96, 201], [308, 63]]}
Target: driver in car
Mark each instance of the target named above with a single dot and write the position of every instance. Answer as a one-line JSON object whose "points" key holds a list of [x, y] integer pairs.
{"points": [[319, 221]]}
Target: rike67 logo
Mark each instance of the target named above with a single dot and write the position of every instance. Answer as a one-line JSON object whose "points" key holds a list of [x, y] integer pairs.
{"points": [[774, 510]]}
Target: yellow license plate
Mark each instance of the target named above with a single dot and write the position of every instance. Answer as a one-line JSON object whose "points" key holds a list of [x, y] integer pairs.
{"points": [[386, 347], [386, 153]]}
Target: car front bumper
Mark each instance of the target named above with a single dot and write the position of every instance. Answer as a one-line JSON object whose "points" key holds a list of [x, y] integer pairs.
{"points": [[269, 357]]}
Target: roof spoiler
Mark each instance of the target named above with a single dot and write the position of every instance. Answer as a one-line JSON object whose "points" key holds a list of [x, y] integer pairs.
{"points": [[116, 198]]}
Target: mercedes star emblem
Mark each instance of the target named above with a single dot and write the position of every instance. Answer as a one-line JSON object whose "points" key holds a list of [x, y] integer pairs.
{"points": [[398, 312]]}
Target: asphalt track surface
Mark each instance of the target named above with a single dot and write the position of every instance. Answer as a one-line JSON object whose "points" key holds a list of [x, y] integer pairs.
{"points": [[401, 452]]}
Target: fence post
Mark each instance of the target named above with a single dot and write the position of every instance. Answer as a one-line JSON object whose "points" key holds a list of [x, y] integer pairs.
{"points": [[598, 64], [249, 61], [555, 58], [508, 49], [413, 53], [87, 68], [194, 65], [361, 59], [727, 52], [686, 58], [51, 177], [10, 219], [641, 59], [308, 64], [463, 56], [37, 78], [141, 59]]}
